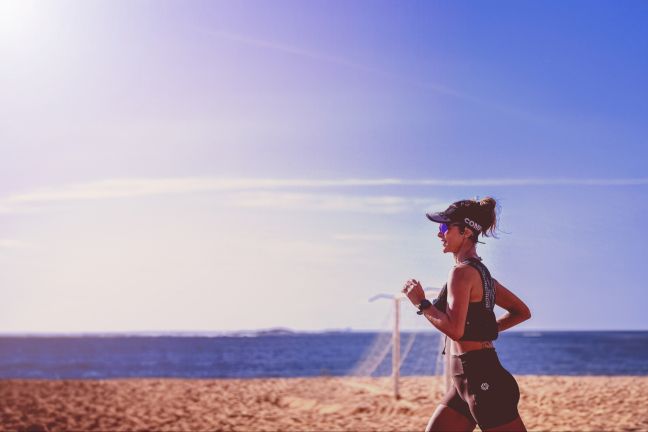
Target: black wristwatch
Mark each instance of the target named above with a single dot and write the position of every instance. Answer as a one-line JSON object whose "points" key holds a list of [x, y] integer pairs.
{"points": [[425, 303]]}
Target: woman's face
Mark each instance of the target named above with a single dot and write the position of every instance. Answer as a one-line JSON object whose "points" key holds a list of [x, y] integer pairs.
{"points": [[451, 239]]}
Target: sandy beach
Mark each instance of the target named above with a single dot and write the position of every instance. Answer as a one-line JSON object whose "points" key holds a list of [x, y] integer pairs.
{"points": [[557, 403]]}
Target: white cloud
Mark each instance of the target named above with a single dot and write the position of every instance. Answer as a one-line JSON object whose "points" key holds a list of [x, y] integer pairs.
{"points": [[535, 182], [14, 244], [252, 193], [255, 192], [122, 188], [363, 237], [326, 202]]}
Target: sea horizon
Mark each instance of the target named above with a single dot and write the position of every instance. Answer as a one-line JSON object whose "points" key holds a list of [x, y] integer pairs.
{"points": [[277, 354], [274, 331]]}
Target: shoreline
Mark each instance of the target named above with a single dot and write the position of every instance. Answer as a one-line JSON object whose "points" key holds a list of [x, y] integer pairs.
{"points": [[548, 402]]}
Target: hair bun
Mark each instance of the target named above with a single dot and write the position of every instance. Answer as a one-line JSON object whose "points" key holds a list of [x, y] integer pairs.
{"points": [[488, 209], [488, 202]]}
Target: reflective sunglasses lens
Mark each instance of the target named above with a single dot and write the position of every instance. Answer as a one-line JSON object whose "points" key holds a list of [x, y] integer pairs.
{"points": [[443, 228]]}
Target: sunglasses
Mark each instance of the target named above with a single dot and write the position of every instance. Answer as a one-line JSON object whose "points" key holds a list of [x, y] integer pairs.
{"points": [[443, 228]]}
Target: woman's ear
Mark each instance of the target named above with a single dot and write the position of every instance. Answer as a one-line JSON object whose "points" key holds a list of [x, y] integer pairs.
{"points": [[468, 232]]}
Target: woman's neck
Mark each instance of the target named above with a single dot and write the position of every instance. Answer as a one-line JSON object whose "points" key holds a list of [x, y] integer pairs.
{"points": [[465, 253]]}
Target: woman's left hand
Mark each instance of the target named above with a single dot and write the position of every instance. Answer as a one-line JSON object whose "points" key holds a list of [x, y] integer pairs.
{"points": [[414, 291]]}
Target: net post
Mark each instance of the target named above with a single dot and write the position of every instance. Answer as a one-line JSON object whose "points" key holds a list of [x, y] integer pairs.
{"points": [[396, 349]]}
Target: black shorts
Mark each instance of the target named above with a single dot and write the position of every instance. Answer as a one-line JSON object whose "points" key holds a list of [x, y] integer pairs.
{"points": [[482, 390]]}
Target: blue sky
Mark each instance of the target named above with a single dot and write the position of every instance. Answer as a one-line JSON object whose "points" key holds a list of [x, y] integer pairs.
{"points": [[237, 165]]}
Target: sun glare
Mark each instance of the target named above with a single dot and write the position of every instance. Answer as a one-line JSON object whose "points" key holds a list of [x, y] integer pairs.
{"points": [[17, 18]]}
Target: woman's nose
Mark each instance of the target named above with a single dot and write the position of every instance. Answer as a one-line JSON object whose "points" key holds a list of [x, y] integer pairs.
{"points": [[440, 234]]}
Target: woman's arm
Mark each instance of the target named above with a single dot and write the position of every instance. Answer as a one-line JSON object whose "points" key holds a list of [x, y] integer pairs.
{"points": [[517, 310], [452, 321]]}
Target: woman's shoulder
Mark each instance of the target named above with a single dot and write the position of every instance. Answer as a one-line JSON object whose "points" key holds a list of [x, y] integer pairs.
{"points": [[463, 275], [463, 270]]}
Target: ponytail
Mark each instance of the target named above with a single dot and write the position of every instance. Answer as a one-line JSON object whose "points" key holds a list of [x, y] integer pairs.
{"points": [[488, 210]]}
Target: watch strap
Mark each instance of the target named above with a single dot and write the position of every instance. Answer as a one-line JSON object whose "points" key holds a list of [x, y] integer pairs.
{"points": [[425, 303]]}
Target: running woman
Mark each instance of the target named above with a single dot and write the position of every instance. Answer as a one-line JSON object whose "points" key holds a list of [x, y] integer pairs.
{"points": [[483, 392]]}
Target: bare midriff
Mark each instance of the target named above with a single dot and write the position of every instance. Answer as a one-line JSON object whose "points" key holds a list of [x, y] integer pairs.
{"points": [[460, 347]]}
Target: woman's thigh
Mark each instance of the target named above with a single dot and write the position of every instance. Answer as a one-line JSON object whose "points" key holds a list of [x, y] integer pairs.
{"points": [[516, 425], [449, 419]]}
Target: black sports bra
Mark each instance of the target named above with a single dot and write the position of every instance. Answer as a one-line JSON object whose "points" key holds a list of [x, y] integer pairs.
{"points": [[481, 324]]}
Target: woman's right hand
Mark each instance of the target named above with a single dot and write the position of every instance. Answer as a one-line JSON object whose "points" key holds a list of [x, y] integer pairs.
{"points": [[414, 291]]}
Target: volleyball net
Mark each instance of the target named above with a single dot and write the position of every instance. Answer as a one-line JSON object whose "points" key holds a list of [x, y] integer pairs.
{"points": [[407, 345]]}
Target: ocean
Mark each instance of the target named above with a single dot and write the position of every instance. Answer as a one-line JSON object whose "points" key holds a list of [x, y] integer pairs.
{"points": [[308, 354]]}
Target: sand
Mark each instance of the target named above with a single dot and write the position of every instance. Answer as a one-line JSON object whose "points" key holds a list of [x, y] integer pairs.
{"points": [[557, 403]]}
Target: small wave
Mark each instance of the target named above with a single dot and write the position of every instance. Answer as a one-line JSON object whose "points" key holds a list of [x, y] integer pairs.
{"points": [[531, 334]]}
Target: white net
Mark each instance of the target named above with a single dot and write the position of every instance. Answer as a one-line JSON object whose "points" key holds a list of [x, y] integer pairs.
{"points": [[421, 345]]}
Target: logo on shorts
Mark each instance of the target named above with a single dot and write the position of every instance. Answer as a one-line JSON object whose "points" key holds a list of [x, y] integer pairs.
{"points": [[484, 386]]}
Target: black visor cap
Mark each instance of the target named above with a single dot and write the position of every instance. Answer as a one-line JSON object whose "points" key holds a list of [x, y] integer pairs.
{"points": [[438, 217]]}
